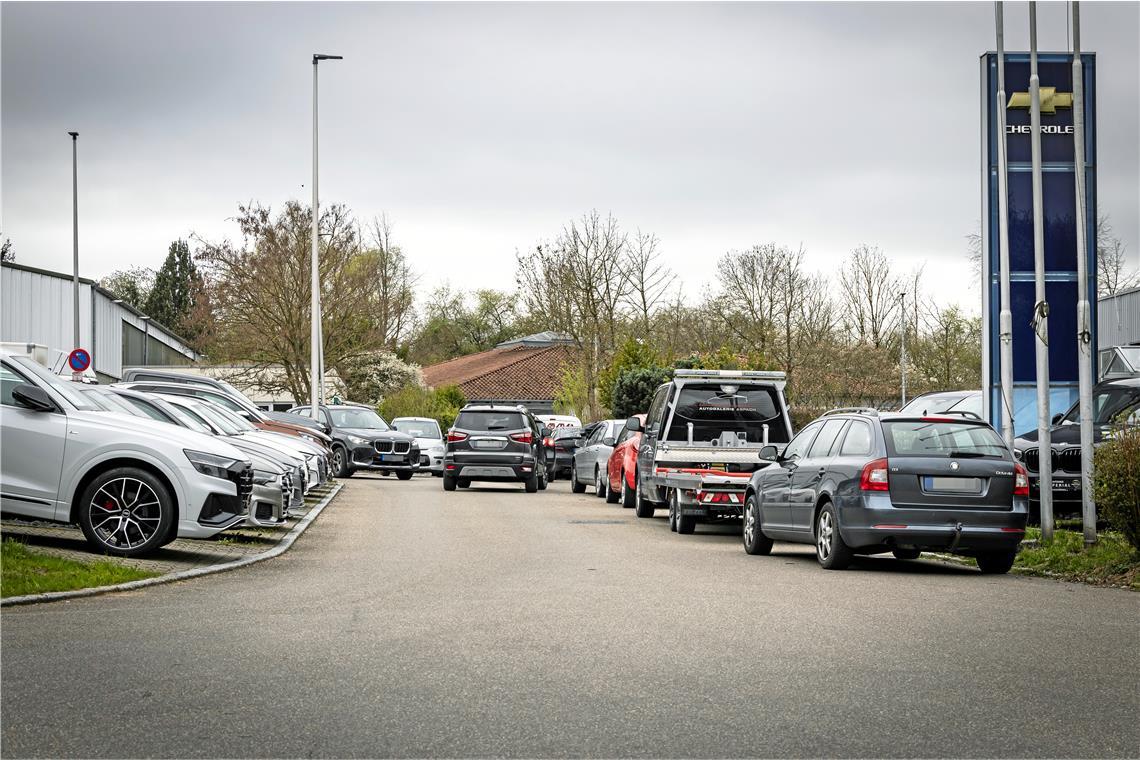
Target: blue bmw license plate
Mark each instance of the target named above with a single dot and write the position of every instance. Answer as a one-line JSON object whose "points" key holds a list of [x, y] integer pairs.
{"points": [[392, 458]]}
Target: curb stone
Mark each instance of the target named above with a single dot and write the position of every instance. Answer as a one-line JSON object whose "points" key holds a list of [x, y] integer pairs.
{"points": [[279, 548]]}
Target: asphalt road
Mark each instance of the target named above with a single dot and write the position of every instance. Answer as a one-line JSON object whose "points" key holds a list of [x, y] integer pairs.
{"points": [[409, 622]]}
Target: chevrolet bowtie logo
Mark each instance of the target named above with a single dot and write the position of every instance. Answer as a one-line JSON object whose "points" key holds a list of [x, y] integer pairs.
{"points": [[1051, 100]]}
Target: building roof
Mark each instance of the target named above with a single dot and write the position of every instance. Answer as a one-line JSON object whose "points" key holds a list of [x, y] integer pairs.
{"points": [[544, 338], [517, 372]]}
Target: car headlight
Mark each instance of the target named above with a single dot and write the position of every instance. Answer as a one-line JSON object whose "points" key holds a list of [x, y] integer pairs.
{"points": [[308, 438], [356, 440], [210, 464], [262, 477]]}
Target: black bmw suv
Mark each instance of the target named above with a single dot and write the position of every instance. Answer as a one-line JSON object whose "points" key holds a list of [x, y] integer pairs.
{"points": [[363, 440], [494, 443]]}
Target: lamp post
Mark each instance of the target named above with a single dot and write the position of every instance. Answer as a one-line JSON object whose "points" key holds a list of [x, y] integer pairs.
{"points": [[146, 340], [902, 343], [315, 354], [75, 238], [1005, 318]]}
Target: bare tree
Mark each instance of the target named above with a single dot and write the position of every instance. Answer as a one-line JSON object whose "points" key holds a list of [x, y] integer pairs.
{"points": [[649, 280], [392, 291], [1114, 272], [747, 293], [870, 294]]}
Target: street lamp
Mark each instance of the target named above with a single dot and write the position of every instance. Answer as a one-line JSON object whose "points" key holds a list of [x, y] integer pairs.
{"points": [[316, 363], [75, 236], [902, 344]]}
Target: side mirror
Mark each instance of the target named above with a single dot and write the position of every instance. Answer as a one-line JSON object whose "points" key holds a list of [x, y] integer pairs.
{"points": [[1057, 418], [33, 397], [634, 425], [609, 441], [769, 453], [579, 442]]}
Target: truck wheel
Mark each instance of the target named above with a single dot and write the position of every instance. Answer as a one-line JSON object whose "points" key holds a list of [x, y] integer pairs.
{"points": [[531, 484], [673, 513], [448, 483], [996, 563], [685, 523], [575, 486], [755, 542], [643, 508], [830, 549]]}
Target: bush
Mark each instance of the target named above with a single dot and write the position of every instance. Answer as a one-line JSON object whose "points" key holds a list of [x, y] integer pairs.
{"points": [[1116, 484], [441, 404], [634, 389], [367, 378]]}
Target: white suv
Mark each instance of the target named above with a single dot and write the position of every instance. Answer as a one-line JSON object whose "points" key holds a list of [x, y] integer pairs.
{"points": [[131, 484]]}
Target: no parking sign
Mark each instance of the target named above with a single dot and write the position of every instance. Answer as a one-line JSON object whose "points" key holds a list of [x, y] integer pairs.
{"points": [[79, 360]]}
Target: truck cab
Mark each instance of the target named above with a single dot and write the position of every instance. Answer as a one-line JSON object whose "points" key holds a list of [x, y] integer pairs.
{"points": [[702, 439]]}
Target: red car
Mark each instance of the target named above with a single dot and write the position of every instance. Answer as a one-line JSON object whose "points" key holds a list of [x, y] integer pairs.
{"points": [[622, 467]]}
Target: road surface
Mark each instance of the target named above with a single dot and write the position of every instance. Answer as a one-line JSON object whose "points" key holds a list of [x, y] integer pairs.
{"points": [[491, 622]]}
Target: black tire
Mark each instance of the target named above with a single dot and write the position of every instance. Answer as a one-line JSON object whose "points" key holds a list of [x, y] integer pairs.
{"points": [[449, 483], [685, 523], [151, 512], [672, 515], [642, 507], [612, 496], [628, 495], [340, 466], [600, 486], [755, 542], [404, 475], [542, 482], [531, 484], [905, 553], [830, 549], [996, 563], [463, 482], [575, 486]]}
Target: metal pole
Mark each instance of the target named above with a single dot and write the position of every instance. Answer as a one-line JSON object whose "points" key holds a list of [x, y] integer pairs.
{"points": [[315, 305], [1005, 318], [902, 345], [75, 237], [1041, 307], [146, 341], [1084, 312]]}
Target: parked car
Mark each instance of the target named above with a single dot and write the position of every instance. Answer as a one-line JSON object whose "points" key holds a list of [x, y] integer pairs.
{"points": [[255, 416], [622, 466], [592, 455], [277, 486], [145, 374], [939, 402], [555, 421], [563, 444], [860, 482], [362, 440], [497, 444], [429, 439], [131, 484], [702, 437], [1111, 400]]}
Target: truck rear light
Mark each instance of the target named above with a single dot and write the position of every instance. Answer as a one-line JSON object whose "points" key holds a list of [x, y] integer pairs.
{"points": [[874, 477], [454, 436], [526, 437], [1020, 480], [718, 497]]}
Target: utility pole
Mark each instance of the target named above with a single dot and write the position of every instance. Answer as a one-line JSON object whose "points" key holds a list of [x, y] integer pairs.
{"points": [[316, 358], [1005, 318], [75, 242], [902, 344], [1084, 312], [1041, 306]]}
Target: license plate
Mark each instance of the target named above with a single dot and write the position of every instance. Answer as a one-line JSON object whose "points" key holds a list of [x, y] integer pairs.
{"points": [[951, 485], [1066, 486], [488, 444], [392, 458]]}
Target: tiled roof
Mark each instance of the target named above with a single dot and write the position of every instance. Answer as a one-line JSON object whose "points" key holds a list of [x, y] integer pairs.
{"points": [[503, 373]]}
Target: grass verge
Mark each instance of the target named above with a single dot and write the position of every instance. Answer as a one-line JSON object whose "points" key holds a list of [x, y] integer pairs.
{"points": [[24, 571], [1111, 561]]}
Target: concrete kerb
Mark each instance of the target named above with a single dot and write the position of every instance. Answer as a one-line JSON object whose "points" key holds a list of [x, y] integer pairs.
{"points": [[281, 547]]}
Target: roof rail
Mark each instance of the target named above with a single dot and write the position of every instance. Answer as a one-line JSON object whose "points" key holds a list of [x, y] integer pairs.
{"points": [[853, 409], [727, 373]]}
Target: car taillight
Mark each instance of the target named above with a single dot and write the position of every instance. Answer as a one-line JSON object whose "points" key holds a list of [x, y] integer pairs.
{"points": [[454, 436], [1020, 480], [874, 477], [526, 437], [548, 442]]}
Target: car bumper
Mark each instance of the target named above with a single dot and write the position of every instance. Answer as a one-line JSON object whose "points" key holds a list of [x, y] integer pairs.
{"points": [[211, 505], [268, 504], [509, 467], [432, 463], [870, 520]]}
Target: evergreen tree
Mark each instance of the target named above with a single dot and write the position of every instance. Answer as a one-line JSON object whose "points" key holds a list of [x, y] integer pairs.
{"points": [[171, 299]]}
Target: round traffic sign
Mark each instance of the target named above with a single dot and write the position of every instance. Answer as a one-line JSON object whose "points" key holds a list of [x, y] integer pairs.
{"points": [[79, 360]]}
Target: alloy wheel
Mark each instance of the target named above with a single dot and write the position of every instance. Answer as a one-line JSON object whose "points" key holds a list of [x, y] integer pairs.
{"points": [[338, 461], [601, 490], [825, 535], [125, 513], [750, 524]]}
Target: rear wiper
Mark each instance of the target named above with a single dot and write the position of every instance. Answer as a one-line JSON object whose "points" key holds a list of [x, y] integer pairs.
{"points": [[970, 454], [492, 427]]}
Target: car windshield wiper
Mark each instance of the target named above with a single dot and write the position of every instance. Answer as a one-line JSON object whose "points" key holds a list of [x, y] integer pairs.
{"points": [[970, 454]]}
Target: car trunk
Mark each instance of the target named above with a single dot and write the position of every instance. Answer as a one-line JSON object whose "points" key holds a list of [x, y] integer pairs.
{"points": [[959, 483]]}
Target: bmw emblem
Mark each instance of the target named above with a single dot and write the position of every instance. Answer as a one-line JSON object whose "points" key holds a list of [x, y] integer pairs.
{"points": [[953, 465]]}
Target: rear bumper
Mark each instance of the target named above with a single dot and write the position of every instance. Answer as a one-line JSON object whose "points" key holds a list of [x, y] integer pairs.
{"points": [[483, 467], [870, 521]]}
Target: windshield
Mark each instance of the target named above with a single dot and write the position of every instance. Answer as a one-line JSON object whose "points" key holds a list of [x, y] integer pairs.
{"points": [[356, 417], [64, 388], [199, 419], [1108, 404], [935, 438], [712, 412], [418, 428]]}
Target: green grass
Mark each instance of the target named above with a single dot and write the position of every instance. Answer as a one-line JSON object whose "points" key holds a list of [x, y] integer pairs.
{"points": [[23, 571], [1110, 561]]}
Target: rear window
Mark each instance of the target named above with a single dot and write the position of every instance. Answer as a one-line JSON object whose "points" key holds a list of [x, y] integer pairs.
{"points": [[490, 420], [927, 438], [712, 411]]}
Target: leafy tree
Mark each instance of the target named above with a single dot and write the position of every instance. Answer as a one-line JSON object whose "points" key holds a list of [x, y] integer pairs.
{"points": [[456, 324], [573, 395], [6, 252], [634, 389], [441, 404], [633, 353], [1116, 485], [131, 285], [370, 376]]}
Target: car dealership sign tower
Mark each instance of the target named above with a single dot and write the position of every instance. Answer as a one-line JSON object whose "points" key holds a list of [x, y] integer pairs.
{"points": [[1060, 214]]}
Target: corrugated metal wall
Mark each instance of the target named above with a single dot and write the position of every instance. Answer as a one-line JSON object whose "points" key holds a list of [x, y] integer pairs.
{"points": [[36, 307], [1118, 319]]}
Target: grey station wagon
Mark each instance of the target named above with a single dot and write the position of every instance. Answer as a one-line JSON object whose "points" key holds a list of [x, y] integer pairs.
{"points": [[859, 482]]}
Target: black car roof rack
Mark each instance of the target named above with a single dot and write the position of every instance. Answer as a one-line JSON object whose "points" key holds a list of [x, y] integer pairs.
{"points": [[853, 410]]}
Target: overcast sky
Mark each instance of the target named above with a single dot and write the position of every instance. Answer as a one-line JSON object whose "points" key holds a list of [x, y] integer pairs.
{"points": [[482, 128]]}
